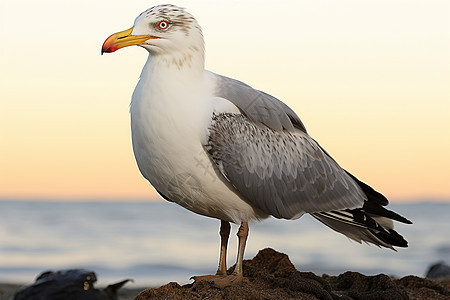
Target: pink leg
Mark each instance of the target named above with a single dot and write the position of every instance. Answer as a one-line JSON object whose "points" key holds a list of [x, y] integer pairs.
{"points": [[242, 236], [224, 234], [221, 279]]}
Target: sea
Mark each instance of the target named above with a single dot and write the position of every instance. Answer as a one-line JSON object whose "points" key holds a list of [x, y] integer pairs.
{"points": [[154, 243]]}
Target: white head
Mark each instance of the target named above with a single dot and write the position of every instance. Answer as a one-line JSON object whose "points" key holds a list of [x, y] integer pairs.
{"points": [[166, 31]]}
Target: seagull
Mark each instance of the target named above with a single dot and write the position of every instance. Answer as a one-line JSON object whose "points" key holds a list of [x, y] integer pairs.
{"points": [[222, 149]]}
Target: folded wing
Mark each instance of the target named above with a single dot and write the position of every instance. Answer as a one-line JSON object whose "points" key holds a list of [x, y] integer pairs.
{"points": [[285, 174]]}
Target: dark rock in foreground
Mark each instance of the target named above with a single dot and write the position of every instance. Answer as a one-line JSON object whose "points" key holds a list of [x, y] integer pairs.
{"points": [[75, 284], [271, 275]]}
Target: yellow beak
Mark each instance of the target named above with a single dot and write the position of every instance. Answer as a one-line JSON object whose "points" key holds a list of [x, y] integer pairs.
{"points": [[123, 39]]}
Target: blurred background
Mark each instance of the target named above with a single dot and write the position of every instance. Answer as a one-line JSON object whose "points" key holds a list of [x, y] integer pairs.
{"points": [[370, 80]]}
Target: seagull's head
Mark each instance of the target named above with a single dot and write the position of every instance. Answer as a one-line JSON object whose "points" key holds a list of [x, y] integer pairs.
{"points": [[162, 30]]}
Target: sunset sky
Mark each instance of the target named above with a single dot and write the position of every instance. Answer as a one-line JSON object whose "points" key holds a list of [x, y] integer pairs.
{"points": [[370, 80]]}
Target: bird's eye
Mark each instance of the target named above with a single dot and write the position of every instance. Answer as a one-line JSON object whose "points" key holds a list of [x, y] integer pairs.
{"points": [[163, 25]]}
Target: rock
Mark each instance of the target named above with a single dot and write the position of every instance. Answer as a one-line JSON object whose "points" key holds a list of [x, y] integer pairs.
{"points": [[422, 288], [438, 270], [357, 286], [76, 284], [271, 275]]}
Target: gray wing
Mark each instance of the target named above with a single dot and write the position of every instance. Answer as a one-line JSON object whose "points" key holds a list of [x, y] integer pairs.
{"points": [[285, 174], [258, 106]]}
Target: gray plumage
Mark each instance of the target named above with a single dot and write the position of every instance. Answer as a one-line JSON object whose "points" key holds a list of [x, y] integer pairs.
{"points": [[266, 154], [285, 174], [258, 106]]}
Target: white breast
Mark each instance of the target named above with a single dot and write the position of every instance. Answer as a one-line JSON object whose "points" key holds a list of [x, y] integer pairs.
{"points": [[169, 123]]}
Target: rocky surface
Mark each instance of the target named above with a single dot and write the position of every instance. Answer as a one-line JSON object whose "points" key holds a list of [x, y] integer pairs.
{"points": [[271, 275]]}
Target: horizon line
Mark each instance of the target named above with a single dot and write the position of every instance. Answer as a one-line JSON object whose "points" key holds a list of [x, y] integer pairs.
{"points": [[158, 199]]}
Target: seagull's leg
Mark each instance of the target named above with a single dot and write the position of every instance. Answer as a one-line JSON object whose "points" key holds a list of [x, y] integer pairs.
{"points": [[224, 234], [221, 279], [242, 236]]}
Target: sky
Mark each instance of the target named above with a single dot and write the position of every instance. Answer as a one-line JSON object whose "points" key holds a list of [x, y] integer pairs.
{"points": [[369, 79]]}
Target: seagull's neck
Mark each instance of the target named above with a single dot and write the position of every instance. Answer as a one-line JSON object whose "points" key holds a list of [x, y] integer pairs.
{"points": [[175, 72], [171, 91], [187, 63], [169, 105]]}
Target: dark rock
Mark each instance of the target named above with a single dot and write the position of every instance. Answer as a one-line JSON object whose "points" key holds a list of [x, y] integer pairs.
{"points": [[358, 286], [271, 275], [438, 270], [74, 284], [422, 288]]}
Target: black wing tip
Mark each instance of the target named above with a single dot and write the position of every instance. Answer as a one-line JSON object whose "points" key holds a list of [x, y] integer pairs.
{"points": [[392, 238], [378, 210], [407, 221], [371, 194], [387, 235], [376, 201]]}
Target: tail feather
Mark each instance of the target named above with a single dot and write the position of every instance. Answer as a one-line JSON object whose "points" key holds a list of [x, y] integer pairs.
{"points": [[371, 223], [353, 232], [360, 226]]}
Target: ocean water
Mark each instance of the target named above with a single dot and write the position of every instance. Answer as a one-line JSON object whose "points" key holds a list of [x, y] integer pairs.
{"points": [[154, 243]]}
